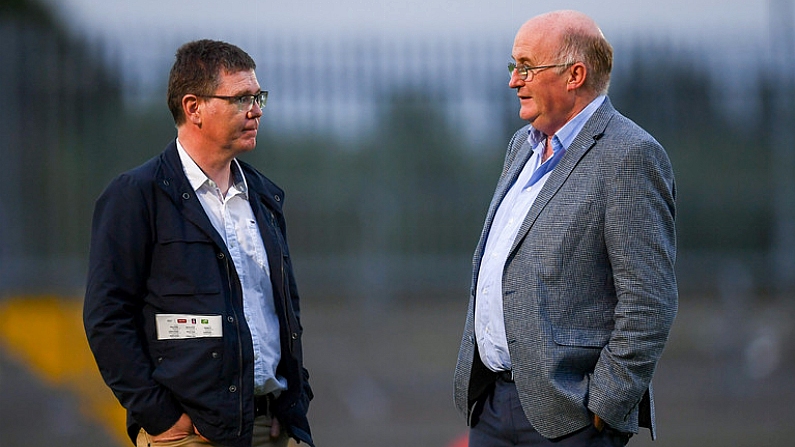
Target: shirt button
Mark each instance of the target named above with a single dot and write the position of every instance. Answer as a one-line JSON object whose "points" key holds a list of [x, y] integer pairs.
{"points": [[220, 255], [215, 355], [232, 389], [295, 336], [230, 319]]}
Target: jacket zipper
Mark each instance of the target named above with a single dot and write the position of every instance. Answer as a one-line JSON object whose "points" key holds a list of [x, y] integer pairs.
{"points": [[239, 352], [285, 284]]}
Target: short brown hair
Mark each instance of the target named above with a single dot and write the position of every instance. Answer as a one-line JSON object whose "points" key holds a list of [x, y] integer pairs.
{"points": [[196, 70]]}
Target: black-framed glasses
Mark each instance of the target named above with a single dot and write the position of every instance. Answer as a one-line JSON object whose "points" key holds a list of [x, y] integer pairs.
{"points": [[526, 73], [244, 102]]}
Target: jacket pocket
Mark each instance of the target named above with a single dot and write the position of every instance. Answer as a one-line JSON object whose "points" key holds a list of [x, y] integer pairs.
{"points": [[191, 368], [582, 337], [185, 262]]}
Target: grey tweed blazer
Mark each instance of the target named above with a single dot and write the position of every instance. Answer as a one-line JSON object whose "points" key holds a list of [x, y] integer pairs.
{"points": [[589, 291]]}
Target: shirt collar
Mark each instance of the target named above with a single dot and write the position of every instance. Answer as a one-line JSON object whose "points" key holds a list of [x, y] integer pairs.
{"points": [[569, 131], [198, 178]]}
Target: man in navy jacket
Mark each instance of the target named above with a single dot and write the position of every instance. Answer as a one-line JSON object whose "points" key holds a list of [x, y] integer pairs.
{"points": [[191, 306]]}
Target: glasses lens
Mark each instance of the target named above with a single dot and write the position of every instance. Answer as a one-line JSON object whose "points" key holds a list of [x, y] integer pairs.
{"points": [[261, 98], [522, 71], [245, 102]]}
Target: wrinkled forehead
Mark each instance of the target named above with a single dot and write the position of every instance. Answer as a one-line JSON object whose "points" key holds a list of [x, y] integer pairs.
{"points": [[535, 44], [238, 82]]}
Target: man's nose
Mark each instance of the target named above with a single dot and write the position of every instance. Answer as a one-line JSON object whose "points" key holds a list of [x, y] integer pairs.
{"points": [[516, 81], [256, 110]]}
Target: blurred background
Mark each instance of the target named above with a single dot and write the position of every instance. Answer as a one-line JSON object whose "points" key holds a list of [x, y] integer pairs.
{"points": [[387, 125]]}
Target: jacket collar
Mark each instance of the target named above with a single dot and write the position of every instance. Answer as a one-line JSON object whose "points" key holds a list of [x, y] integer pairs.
{"points": [[591, 132], [171, 179]]}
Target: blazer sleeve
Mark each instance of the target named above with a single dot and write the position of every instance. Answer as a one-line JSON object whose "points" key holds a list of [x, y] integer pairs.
{"points": [[641, 244], [119, 259]]}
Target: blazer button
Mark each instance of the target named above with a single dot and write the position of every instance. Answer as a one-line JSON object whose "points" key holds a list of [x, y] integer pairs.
{"points": [[230, 319], [185, 196], [232, 389], [220, 256]]}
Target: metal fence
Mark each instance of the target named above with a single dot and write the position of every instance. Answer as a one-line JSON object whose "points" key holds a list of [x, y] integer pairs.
{"points": [[388, 148]]}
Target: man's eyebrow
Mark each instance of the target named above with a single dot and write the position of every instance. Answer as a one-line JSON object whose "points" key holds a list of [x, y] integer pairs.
{"points": [[244, 92]]}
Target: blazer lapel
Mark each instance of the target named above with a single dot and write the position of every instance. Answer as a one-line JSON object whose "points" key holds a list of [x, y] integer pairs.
{"points": [[582, 143], [523, 154]]}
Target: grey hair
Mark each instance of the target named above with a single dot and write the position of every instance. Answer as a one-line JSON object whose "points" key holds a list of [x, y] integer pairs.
{"points": [[592, 50]]}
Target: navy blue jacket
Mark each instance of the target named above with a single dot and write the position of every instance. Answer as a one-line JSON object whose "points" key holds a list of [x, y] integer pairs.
{"points": [[154, 251]]}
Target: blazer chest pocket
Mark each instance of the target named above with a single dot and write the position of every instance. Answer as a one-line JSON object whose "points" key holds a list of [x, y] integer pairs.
{"points": [[581, 337], [184, 262]]}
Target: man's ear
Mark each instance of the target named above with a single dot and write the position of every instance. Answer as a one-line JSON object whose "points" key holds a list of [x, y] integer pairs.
{"points": [[577, 74], [191, 108]]}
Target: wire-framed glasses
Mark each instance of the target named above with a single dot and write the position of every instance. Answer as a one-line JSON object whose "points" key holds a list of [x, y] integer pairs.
{"points": [[244, 103], [526, 73]]}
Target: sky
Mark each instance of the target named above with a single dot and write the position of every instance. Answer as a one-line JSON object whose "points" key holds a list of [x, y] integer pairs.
{"points": [[686, 18], [143, 34]]}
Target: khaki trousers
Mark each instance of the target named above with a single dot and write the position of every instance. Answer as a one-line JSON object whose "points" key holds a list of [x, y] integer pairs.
{"points": [[262, 438]]}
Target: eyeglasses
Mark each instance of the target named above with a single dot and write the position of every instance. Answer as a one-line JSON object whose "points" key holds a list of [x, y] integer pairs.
{"points": [[244, 102], [527, 73]]}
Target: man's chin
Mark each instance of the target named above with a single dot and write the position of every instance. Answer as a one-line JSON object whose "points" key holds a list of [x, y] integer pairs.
{"points": [[527, 115], [249, 143], [245, 147]]}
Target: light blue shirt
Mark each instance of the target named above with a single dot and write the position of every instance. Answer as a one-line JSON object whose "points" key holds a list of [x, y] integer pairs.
{"points": [[233, 219], [489, 317]]}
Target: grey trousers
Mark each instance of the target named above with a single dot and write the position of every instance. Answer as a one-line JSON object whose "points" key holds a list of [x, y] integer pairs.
{"points": [[502, 423]]}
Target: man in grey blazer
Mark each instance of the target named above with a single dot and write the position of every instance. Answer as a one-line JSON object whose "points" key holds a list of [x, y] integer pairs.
{"points": [[573, 288]]}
